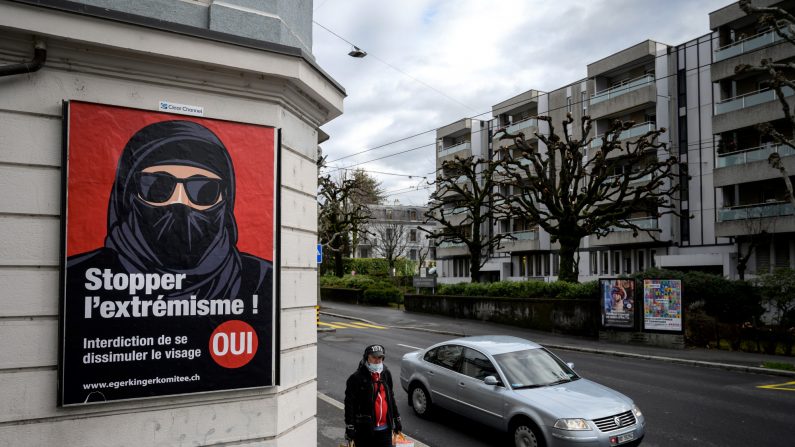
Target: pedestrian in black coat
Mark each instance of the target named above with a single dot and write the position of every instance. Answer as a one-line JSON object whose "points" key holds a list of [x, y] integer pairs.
{"points": [[371, 414]]}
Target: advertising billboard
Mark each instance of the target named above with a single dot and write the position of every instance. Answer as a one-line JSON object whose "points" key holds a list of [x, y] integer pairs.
{"points": [[170, 255], [662, 305], [617, 303]]}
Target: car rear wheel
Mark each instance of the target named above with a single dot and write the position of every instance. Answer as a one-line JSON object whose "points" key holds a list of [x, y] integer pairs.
{"points": [[524, 435], [420, 400]]}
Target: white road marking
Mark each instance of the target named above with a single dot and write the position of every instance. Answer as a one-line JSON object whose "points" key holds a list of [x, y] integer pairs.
{"points": [[412, 347]]}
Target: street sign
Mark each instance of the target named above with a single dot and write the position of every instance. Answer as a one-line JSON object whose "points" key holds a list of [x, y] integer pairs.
{"points": [[319, 253], [427, 282]]}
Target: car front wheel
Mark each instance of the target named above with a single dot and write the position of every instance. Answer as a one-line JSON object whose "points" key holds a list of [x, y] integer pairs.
{"points": [[525, 436], [420, 401]]}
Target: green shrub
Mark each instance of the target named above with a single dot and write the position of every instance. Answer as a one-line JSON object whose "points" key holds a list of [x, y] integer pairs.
{"points": [[381, 296], [523, 289]]}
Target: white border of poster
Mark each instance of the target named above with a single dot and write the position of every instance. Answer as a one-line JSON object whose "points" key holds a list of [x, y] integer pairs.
{"points": [[662, 305]]}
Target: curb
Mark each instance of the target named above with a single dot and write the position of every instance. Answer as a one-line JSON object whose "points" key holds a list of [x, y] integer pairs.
{"points": [[700, 363]]}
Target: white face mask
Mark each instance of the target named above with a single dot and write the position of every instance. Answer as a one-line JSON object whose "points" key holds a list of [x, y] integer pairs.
{"points": [[375, 367]]}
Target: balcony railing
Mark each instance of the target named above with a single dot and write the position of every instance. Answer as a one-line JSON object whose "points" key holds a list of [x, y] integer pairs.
{"points": [[748, 44], [520, 126], [619, 90], [451, 245], [453, 149], [644, 223], [632, 132], [645, 178], [753, 154], [755, 211], [749, 100], [526, 235]]}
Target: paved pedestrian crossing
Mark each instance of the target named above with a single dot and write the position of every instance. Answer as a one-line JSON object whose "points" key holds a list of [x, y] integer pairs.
{"points": [[349, 325]]}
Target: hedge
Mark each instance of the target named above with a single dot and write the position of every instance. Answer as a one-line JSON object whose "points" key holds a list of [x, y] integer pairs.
{"points": [[381, 296], [523, 289], [374, 266]]}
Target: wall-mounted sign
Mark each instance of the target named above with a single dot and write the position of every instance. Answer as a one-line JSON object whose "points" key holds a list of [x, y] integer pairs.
{"points": [[662, 305], [182, 109], [617, 303], [169, 281]]}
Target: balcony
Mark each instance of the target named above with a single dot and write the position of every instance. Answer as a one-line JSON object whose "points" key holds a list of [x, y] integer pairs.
{"points": [[522, 241], [453, 149], [753, 154], [449, 249], [621, 236], [632, 132], [632, 85], [755, 211], [527, 126], [749, 100], [746, 45]]}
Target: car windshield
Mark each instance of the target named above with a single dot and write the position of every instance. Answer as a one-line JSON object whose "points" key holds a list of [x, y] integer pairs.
{"points": [[534, 368]]}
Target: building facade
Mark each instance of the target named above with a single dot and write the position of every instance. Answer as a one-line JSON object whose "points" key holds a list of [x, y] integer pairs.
{"points": [[238, 64], [729, 195], [397, 229]]}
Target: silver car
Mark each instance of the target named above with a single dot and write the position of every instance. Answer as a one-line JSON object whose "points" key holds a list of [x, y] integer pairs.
{"points": [[519, 387]]}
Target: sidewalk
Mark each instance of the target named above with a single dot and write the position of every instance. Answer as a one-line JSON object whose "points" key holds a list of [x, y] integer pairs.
{"points": [[330, 425], [729, 360]]}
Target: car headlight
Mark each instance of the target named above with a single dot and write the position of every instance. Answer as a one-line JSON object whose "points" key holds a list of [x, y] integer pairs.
{"points": [[572, 424], [636, 411]]}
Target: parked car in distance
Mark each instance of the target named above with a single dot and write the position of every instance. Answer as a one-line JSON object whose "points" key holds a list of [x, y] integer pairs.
{"points": [[519, 387]]}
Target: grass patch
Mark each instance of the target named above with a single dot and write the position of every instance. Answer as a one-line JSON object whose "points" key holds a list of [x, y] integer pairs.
{"points": [[779, 365]]}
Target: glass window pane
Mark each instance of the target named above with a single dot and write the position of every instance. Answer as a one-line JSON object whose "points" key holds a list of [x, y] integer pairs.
{"points": [[477, 365]]}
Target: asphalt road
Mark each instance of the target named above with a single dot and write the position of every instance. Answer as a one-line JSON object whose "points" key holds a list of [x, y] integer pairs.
{"points": [[683, 405]]}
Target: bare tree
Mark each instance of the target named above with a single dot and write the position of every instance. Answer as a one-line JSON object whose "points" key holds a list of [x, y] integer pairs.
{"points": [[571, 197], [391, 242], [756, 230], [779, 77], [464, 202], [339, 215]]}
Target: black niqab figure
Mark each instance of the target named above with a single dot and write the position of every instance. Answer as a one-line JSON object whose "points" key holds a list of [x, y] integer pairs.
{"points": [[175, 238]]}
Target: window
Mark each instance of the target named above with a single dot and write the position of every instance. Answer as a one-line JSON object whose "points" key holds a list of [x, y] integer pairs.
{"points": [[782, 255], [684, 224], [641, 260], [389, 213], [389, 233], [364, 252], [555, 264], [627, 265], [584, 102], [594, 267], [568, 103], [682, 135], [413, 236], [413, 254], [477, 365], [412, 214], [652, 254], [447, 356], [523, 266], [605, 259], [616, 262], [432, 253]]}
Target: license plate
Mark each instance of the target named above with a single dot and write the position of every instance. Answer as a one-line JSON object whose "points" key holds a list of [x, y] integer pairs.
{"points": [[626, 437]]}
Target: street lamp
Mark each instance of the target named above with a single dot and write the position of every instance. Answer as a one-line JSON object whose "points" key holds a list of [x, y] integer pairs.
{"points": [[357, 52]]}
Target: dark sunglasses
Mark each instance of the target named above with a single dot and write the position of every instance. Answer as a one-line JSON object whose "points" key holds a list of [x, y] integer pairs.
{"points": [[158, 187]]}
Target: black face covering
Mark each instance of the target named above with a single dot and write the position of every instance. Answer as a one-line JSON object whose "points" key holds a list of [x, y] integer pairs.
{"points": [[176, 238]]}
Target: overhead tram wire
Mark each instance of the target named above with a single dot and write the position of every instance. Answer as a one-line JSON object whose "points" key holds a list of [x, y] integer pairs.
{"points": [[398, 70], [524, 101]]}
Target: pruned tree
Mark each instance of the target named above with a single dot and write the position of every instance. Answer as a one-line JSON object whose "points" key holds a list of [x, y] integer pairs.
{"points": [[778, 76], [756, 230], [391, 242], [463, 203], [571, 197], [339, 215]]}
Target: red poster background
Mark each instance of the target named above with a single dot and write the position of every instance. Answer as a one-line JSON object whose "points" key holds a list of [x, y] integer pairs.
{"points": [[97, 136]]}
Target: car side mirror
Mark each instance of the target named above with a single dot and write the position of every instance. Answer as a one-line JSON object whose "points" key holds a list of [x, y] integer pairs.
{"points": [[570, 365], [491, 380]]}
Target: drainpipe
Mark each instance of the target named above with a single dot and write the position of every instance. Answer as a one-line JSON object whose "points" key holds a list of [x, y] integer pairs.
{"points": [[39, 56]]}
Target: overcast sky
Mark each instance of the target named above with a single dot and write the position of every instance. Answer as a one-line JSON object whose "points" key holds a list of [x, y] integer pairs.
{"points": [[433, 62]]}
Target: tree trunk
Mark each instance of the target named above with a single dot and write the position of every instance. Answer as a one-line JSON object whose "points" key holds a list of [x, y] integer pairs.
{"points": [[741, 271], [569, 270], [339, 266], [474, 266]]}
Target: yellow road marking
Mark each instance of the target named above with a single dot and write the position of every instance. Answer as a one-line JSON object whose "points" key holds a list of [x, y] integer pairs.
{"points": [[789, 386], [320, 323], [369, 325]]}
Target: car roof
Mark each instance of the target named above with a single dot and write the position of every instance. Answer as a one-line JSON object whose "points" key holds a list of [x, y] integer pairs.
{"points": [[493, 344]]}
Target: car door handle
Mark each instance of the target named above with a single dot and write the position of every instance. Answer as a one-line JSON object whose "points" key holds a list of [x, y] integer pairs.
{"points": [[429, 372], [461, 384]]}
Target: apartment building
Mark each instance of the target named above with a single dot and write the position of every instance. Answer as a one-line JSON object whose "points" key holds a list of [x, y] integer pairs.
{"points": [[751, 195], [400, 226], [728, 192]]}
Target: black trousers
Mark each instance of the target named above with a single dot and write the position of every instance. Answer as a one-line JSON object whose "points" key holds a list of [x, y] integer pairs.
{"points": [[380, 438]]}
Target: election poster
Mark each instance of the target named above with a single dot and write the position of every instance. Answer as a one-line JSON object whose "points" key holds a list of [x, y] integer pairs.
{"points": [[662, 305], [617, 303], [169, 269]]}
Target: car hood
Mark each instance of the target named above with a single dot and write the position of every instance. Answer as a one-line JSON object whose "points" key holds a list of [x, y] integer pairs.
{"points": [[578, 399]]}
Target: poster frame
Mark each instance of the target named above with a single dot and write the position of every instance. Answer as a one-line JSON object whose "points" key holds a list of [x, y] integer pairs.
{"points": [[635, 311], [643, 306], [275, 345]]}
